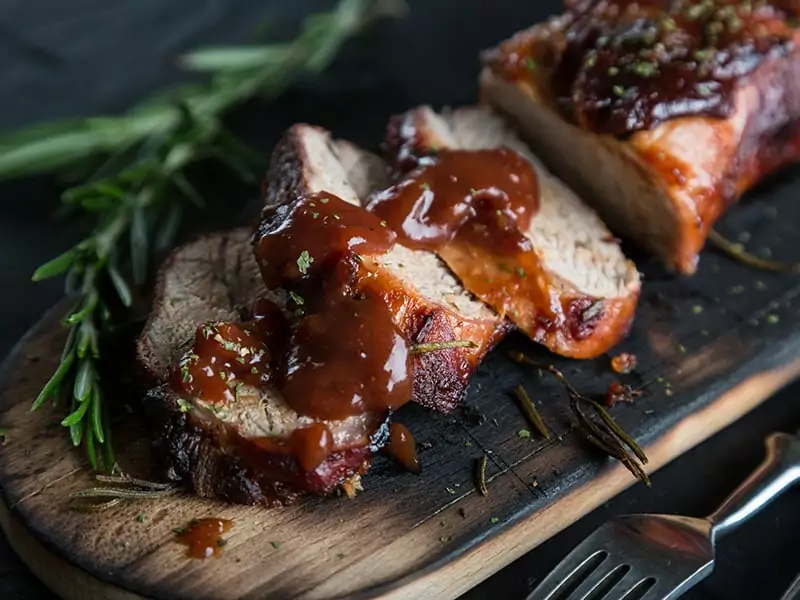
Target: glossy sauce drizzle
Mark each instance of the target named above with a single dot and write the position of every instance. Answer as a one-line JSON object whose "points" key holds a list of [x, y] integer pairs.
{"points": [[472, 208], [346, 356], [338, 354], [621, 66], [402, 447], [203, 537], [225, 356]]}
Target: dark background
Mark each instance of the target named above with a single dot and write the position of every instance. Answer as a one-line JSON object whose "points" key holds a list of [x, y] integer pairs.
{"points": [[60, 59]]}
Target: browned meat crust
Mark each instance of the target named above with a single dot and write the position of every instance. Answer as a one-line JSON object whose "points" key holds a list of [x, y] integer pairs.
{"points": [[666, 183]]}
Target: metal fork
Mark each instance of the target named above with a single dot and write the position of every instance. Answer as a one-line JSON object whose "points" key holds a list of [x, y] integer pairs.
{"points": [[659, 557]]}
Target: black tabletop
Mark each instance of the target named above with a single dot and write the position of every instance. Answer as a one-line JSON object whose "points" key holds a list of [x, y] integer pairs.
{"points": [[60, 59]]}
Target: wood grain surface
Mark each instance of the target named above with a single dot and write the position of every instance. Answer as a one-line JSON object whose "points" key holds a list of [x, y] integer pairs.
{"points": [[721, 340], [430, 535]]}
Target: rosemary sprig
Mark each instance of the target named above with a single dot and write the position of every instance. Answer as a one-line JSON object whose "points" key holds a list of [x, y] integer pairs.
{"points": [[136, 187], [605, 434], [127, 488]]}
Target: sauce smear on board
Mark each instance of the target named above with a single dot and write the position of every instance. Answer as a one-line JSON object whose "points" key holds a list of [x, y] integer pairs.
{"points": [[203, 537]]}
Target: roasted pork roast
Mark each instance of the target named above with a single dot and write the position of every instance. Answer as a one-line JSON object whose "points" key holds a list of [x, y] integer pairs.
{"points": [[661, 113], [565, 282]]}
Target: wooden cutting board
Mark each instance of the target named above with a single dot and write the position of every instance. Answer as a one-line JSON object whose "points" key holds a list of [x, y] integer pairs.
{"points": [[710, 348]]}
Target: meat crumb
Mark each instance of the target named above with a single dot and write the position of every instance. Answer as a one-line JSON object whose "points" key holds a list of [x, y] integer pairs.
{"points": [[619, 392], [624, 363]]}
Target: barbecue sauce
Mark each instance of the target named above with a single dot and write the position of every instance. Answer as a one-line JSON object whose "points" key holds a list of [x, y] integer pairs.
{"points": [[336, 351], [620, 66], [226, 356], [203, 537], [311, 445], [345, 356], [307, 238], [472, 208], [402, 447]]}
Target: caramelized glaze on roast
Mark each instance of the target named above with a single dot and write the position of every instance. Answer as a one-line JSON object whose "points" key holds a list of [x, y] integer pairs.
{"points": [[620, 66]]}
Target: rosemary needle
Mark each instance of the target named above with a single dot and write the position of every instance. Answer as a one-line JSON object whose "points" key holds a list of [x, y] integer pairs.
{"points": [[437, 346], [481, 475], [737, 252], [529, 408]]}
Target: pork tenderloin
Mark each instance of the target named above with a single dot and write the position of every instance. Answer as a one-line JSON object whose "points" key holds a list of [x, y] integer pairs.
{"points": [[661, 145]]}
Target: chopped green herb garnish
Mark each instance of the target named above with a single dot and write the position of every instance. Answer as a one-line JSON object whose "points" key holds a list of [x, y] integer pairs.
{"points": [[521, 272], [425, 187], [530, 64], [613, 71], [275, 545], [619, 90], [495, 520], [304, 261], [183, 405], [645, 69], [703, 54], [524, 433], [140, 518], [324, 200], [297, 299], [704, 89]]}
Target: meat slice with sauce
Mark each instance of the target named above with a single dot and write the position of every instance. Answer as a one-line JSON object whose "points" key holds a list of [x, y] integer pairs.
{"points": [[661, 114], [221, 418], [427, 303], [240, 442], [516, 236]]}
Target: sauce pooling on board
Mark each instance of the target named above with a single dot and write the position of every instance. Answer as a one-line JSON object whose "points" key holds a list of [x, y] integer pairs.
{"points": [[621, 66], [472, 207], [203, 537]]}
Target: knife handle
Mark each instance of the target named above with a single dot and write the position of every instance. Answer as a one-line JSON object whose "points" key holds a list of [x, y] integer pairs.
{"points": [[779, 471]]}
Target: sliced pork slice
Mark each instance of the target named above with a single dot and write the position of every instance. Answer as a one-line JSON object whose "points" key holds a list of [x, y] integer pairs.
{"points": [[661, 114], [241, 450], [579, 296], [427, 302]]}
